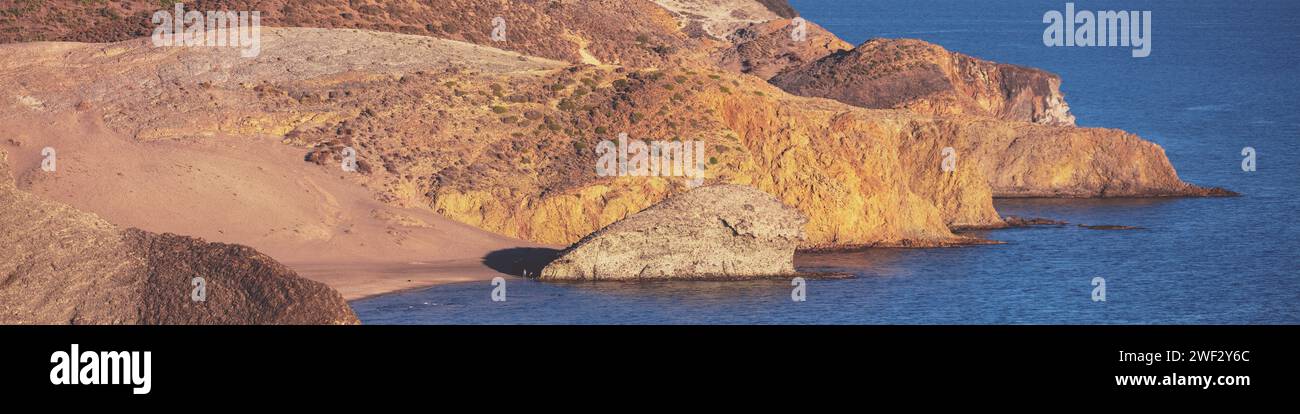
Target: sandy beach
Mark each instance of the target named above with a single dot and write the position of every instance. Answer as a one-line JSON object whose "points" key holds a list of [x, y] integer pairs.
{"points": [[258, 193]]}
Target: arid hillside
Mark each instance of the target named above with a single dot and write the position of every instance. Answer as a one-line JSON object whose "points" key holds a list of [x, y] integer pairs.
{"points": [[626, 32], [744, 36]]}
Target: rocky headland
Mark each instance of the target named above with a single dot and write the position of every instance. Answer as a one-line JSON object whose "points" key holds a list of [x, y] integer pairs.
{"points": [[498, 138]]}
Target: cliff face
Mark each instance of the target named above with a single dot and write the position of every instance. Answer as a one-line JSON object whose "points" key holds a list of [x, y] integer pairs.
{"points": [[718, 231], [845, 168], [63, 266], [925, 78], [1022, 160]]}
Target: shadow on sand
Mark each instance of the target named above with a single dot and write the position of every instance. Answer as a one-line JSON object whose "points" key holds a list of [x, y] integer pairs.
{"points": [[516, 261]]}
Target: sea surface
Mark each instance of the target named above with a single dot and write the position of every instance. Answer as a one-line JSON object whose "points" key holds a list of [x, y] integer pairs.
{"points": [[1222, 75]]}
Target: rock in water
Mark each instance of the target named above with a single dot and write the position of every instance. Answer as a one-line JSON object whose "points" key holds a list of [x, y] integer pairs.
{"points": [[714, 232]]}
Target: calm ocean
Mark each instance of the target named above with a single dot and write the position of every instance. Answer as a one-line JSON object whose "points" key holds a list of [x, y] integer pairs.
{"points": [[1222, 75]]}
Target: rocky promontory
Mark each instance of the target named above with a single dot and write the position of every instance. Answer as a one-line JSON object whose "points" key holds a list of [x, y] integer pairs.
{"points": [[926, 78], [713, 232]]}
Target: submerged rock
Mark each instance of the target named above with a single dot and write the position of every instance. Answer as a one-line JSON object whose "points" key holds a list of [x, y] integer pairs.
{"points": [[1017, 221], [1110, 227], [714, 232]]}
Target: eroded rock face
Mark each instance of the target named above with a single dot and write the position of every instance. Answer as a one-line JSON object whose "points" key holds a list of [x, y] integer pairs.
{"points": [[718, 231], [925, 78], [62, 266]]}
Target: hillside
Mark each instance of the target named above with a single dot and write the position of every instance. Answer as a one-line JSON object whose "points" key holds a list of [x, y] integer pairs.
{"points": [[569, 30]]}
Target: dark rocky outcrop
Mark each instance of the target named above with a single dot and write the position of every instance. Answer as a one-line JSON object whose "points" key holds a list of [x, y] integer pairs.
{"points": [[1016, 221], [63, 266], [780, 7], [718, 231]]}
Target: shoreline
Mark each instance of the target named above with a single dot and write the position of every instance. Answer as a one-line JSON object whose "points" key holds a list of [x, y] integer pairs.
{"points": [[364, 280]]}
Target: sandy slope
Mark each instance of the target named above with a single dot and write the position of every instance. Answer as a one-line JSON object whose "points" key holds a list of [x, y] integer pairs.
{"points": [[59, 265], [243, 188], [254, 192]]}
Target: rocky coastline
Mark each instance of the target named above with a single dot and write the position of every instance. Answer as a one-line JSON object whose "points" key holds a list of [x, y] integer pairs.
{"points": [[889, 143]]}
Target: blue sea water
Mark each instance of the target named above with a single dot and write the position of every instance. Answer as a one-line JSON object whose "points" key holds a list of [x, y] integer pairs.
{"points": [[1222, 75]]}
